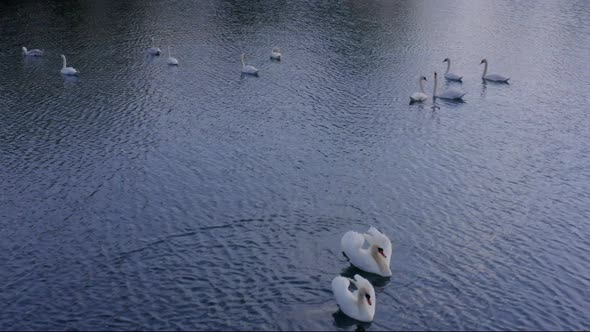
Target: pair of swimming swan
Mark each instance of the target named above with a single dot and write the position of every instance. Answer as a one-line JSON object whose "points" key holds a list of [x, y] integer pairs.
{"points": [[376, 258], [453, 93], [69, 71], [485, 76], [156, 51], [275, 54], [450, 93]]}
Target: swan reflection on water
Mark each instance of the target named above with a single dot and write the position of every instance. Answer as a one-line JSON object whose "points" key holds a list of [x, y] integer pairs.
{"points": [[343, 321]]}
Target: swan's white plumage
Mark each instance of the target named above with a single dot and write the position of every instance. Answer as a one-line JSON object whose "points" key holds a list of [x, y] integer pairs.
{"points": [[247, 69], [67, 70], [365, 259], [354, 303], [33, 52], [492, 77], [275, 54], [496, 78], [451, 76], [171, 60], [419, 96], [451, 93], [154, 50]]}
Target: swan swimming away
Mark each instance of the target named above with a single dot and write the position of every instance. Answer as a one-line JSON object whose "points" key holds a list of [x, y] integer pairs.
{"points": [[67, 70], [375, 259], [419, 96], [34, 52], [171, 61], [275, 54], [492, 77], [247, 69], [451, 76], [358, 304], [451, 93], [154, 50]]}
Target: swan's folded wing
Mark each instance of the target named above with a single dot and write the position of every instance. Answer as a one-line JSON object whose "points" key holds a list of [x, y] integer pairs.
{"points": [[351, 241], [374, 231], [340, 289]]}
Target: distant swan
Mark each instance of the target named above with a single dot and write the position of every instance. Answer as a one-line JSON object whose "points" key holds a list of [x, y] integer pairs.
{"points": [[419, 96], [275, 54], [34, 52], [358, 304], [67, 70], [492, 77], [375, 259], [451, 76], [171, 61], [247, 69], [452, 93], [154, 50]]}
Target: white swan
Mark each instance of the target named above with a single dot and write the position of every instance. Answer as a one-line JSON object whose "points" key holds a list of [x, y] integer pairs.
{"points": [[419, 96], [34, 52], [275, 54], [171, 61], [358, 304], [451, 76], [376, 258], [451, 93], [492, 77], [67, 70], [154, 50], [247, 69]]}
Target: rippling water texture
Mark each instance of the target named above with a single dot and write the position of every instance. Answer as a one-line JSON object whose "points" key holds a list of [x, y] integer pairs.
{"points": [[141, 196]]}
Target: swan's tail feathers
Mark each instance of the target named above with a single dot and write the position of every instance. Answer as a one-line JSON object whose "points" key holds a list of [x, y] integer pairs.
{"points": [[351, 241]]}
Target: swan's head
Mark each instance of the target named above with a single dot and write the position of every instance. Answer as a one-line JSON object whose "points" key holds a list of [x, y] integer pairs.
{"points": [[483, 61], [276, 50], [446, 60], [380, 243], [365, 289], [62, 56], [423, 78], [435, 75]]}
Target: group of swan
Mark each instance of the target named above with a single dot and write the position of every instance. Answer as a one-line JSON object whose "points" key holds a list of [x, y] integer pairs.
{"points": [[156, 51], [275, 54], [69, 71], [375, 258], [453, 93]]}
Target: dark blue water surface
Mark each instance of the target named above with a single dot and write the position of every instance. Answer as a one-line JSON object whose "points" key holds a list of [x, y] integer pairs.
{"points": [[142, 196]]}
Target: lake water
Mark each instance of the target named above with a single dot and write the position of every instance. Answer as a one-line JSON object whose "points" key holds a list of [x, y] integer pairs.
{"points": [[142, 196]]}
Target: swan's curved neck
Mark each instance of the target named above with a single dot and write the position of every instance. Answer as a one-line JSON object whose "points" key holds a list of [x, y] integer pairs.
{"points": [[153, 44], [169, 54], [485, 69], [63, 58], [448, 66], [243, 63], [378, 258], [421, 85]]}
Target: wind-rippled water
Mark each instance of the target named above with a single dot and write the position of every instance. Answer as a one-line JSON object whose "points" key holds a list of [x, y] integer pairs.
{"points": [[141, 196]]}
